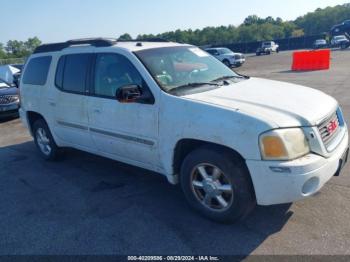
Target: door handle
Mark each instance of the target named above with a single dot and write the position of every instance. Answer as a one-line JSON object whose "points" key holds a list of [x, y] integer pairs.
{"points": [[51, 103], [97, 111]]}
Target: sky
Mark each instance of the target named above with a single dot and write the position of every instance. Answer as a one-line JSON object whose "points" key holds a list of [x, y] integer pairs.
{"points": [[60, 20]]}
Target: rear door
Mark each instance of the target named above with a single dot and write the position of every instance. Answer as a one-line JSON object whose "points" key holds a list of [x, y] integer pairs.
{"points": [[69, 99]]}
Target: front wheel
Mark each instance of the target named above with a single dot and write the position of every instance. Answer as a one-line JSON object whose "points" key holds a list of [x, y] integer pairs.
{"points": [[227, 63], [217, 184]]}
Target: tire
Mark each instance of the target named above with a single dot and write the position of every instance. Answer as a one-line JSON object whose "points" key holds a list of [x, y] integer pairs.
{"points": [[233, 185], [257, 54], [44, 141], [227, 63]]}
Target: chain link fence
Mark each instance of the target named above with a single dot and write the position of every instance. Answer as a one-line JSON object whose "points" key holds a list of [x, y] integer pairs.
{"points": [[303, 42], [12, 61]]}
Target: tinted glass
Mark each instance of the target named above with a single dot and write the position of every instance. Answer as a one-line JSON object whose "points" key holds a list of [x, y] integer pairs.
{"points": [[59, 72], [225, 51], [74, 73], [213, 52], [37, 70], [173, 67], [113, 71]]}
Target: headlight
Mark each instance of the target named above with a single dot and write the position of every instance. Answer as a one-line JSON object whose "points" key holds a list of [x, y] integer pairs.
{"points": [[283, 144]]}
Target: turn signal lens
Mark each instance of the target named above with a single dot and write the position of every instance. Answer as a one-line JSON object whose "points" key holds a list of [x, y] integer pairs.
{"points": [[273, 147]]}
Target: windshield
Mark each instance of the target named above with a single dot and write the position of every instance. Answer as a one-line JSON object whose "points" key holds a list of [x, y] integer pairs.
{"points": [[224, 51], [320, 41], [184, 67]]}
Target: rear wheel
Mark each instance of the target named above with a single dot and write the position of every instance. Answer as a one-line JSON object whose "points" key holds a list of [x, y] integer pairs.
{"points": [[217, 184], [44, 140], [227, 63]]}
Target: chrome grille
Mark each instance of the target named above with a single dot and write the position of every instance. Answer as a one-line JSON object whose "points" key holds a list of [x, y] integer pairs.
{"points": [[329, 129], [8, 99]]}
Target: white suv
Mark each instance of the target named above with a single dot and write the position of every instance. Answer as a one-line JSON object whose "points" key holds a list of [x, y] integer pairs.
{"points": [[226, 56], [230, 140], [267, 48]]}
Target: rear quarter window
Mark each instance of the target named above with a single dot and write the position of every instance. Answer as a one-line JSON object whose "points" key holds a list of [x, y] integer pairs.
{"points": [[37, 70]]}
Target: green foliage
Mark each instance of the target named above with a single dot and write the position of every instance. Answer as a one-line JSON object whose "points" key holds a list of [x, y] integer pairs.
{"points": [[125, 37], [322, 20], [255, 28], [18, 49]]}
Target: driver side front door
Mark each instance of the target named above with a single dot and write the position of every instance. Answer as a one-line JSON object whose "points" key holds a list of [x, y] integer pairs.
{"points": [[125, 131]]}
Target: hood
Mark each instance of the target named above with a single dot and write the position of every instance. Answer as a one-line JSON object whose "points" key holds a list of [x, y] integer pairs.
{"points": [[278, 103], [9, 91]]}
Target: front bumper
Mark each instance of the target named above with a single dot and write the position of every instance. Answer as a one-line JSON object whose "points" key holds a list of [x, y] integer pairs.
{"points": [[239, 62], [278, 182], [9, 110]]}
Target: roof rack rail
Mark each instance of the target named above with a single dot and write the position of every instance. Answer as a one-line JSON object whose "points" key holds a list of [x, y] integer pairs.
{"points": [[155, 39], [97, 42]]}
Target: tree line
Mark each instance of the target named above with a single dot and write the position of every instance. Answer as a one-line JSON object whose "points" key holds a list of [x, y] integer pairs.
{"points": [[18, 49], [253, 29]]}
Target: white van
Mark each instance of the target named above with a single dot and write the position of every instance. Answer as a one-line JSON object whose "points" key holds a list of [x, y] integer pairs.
{"points": [[231, 141]]}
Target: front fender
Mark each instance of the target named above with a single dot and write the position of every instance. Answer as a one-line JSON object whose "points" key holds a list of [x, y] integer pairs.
{"points": [[182, 118]]}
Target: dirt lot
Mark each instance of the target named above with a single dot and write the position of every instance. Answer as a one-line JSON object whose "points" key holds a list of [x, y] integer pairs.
{"points": [[85, 204]]}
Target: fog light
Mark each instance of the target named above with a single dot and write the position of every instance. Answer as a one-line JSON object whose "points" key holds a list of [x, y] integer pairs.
{"points": [[311, 186]]}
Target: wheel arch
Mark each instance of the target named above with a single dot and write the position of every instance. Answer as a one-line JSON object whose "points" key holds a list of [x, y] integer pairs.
{"points": [[186, 146], [32, 117]]}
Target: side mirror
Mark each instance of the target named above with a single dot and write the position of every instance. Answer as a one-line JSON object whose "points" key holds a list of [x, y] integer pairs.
{"points": [[134, 94]]}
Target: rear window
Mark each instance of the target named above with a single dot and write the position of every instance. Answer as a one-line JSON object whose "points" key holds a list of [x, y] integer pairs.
{"points": [[37, 70], [72, 72]]}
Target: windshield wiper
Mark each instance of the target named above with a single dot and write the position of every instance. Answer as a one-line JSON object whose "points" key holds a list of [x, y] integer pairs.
{"points": [[223, 78], [195, 84]]}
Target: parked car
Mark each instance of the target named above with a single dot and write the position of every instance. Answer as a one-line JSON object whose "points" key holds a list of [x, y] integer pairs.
{"points": [[320, 43], [228, 57], [340, 41], [230, 140], [342, 28], [8, 72], [9, 99], [267, 48]]}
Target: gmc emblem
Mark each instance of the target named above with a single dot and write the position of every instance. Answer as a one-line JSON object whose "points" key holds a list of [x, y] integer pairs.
{"points": [[332, 126]]}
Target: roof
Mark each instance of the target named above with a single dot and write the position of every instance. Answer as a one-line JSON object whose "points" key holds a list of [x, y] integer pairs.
{"points": [[105, 42], [216, 48], [135, 46]]}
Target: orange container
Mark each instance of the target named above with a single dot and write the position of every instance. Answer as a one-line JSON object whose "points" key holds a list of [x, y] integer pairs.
{"points": [[311, 60]]}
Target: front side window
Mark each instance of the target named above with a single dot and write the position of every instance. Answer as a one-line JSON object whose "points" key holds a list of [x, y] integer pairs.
{"points": [[37, 70], [213, 51], [184, 68], [113, 71]]}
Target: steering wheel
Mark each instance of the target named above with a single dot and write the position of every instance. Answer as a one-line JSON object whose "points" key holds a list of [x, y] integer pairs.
{"points": [[194, 74]]}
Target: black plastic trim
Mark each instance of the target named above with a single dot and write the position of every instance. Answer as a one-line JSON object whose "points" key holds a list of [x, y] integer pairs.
{"points": [[96, 42]]}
